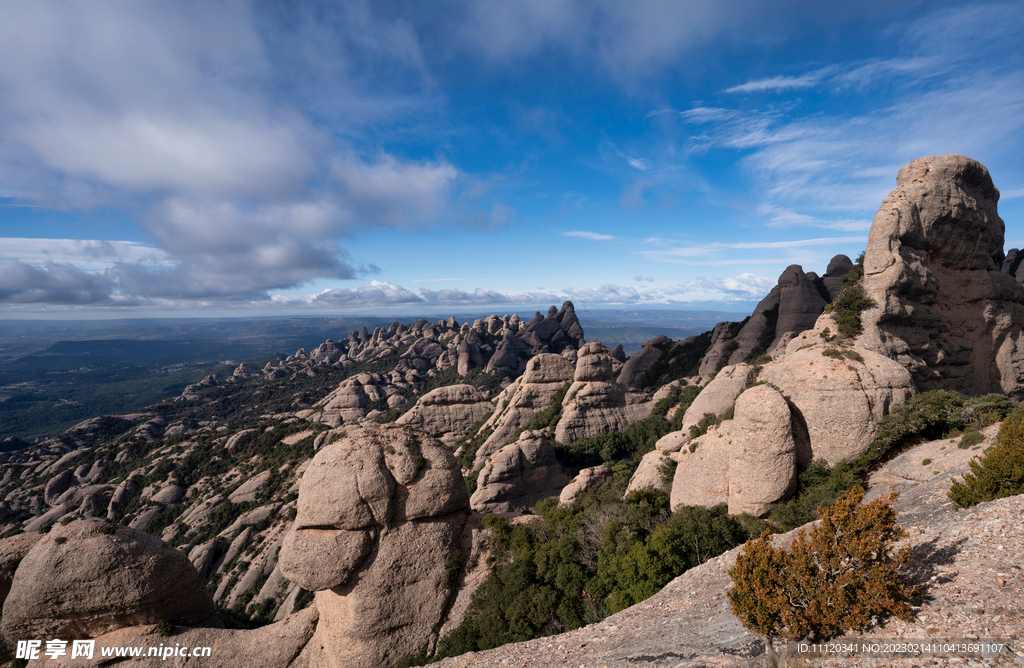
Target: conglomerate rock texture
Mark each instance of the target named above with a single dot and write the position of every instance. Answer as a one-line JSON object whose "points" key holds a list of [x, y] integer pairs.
{"points": [[945, 310]]}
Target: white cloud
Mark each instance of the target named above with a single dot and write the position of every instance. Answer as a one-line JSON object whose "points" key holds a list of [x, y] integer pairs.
{"points": [[639, 163], [781, 217], [86, 254], [680, 253], [230, 139], [374, 293], [807, 80], [1011, 194], [593, 236]]}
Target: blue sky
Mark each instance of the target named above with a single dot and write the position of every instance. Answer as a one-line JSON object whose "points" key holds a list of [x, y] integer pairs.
{"points": [[227, 158]]}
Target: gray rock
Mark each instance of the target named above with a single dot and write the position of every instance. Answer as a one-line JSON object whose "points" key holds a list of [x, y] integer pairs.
{"points": [[398, 496], [944, 309], [519, 475], [120, 578]]}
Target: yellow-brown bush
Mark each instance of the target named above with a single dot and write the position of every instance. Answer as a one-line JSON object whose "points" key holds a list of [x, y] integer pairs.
{"points": [[836, 578]]}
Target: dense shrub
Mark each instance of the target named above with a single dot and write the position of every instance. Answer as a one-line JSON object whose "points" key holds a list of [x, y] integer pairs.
{"points": [[836, 578], [932, 415], [819, 484], [573, 565], [847, 307], [1000, 473], [970, 438], [631, 443]]}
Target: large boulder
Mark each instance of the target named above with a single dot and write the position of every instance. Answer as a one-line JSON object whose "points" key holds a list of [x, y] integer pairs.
{"points": [[348, 402], [838, 395], [519, 475], [718, 396], [585, 481], [944, 309], [448, 412], [380, 517], [90, 577], [595, 404], [748, 462]]}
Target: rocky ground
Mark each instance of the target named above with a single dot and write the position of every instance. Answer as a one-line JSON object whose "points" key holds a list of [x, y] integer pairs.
{"points": [[969, 564]]}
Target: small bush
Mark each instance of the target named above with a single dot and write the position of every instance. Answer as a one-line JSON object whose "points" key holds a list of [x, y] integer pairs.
{"points": [[60, 540], [846, 309], [836, 578], [925, 462], [970, 438], [1000, 473], [166, 628]]}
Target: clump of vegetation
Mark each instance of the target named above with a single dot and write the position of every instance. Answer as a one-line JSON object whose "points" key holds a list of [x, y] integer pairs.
{"points": [[166, 628], [932, 415], [846, 309], [472, 441], [842, 354], [840, 576], [819, 485], [574, 565], [970, 438], [1000, 473]]}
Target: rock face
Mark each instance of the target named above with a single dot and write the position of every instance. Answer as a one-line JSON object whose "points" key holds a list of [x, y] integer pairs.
{"points": [[649, 472], [944, 309], [448, 412], [519, 475], [545, 375], [837, 400], [121, 577], [586, 480], [380, 514], [748, 462], [595, 404], [718, 396], [638, 364], [349, 401]]}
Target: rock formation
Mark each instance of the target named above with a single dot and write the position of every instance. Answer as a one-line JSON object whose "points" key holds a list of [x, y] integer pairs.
{"points": [[120, 577], [748, 462], [595, 404], [519, 475], [944, 310], [838, 396], [545, 375], [448, 412], [380, 516], [716, 398], [585, 480]]}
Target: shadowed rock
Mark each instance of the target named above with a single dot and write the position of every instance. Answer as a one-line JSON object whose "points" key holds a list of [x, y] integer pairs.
{"points": [[944, 309]]}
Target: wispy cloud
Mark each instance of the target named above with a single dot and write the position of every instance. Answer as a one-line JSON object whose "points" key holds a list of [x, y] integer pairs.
{"points": [[780, 217], [711, 254], [593, 236], [807, 80], [639, 163]]}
